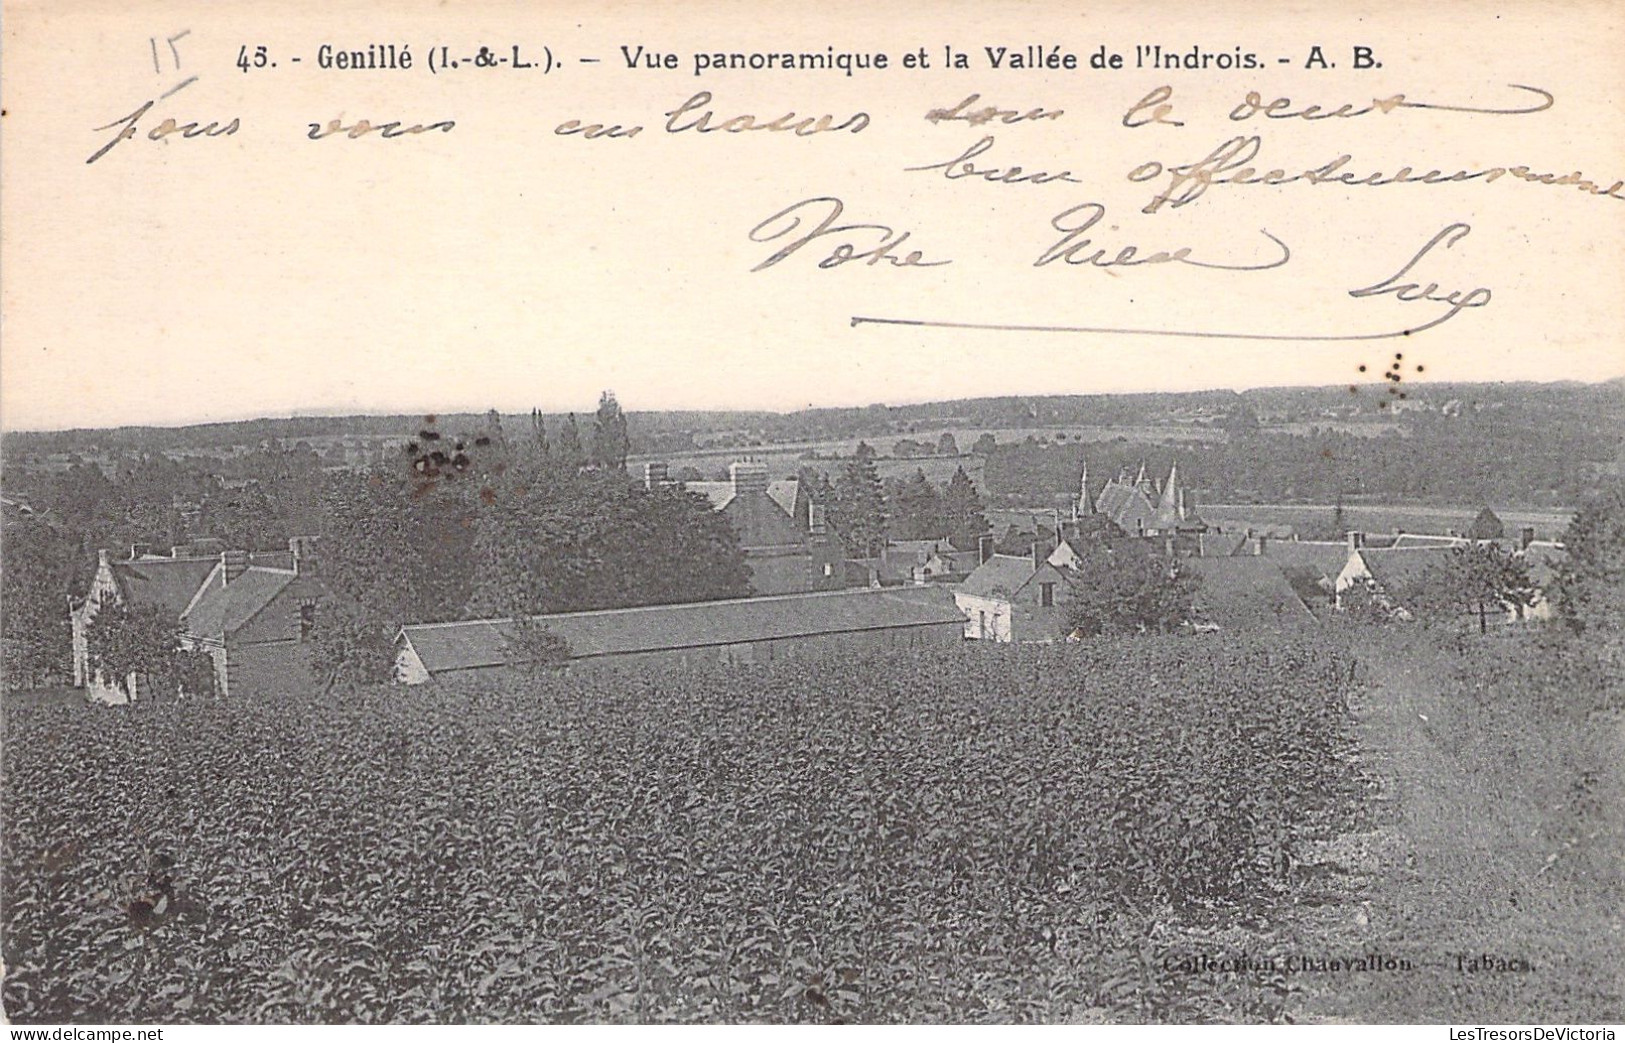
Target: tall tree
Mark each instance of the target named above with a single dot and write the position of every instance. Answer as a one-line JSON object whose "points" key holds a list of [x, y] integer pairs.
{"points": [[962, 511], [859, 510], [538, 430], [489, 452], [1591, 579], [596, 540], [1474, 579], [396, 549], [144, 640], [1129, 592], [569, 452], [245, 518], [34, 586], [916, 508], [946, 445], [610, 442]]}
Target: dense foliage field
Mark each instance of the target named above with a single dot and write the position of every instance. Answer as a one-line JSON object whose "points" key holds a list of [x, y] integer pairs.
{"points": [[981, 834]]}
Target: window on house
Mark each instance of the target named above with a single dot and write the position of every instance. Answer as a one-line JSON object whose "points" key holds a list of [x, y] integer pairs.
{"points": [[307, 620], [1046, 595]]}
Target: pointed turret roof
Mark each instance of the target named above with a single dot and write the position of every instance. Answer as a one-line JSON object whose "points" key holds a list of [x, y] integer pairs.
{"points": [[1169, 501]]}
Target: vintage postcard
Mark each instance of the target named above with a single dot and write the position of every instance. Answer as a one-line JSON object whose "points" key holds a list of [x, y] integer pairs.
{"points": [[741, 512]]}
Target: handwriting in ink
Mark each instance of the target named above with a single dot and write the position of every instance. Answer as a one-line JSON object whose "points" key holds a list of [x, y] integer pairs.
{"points": [[162, 132], [1449, 236], [804, 127], [1230, 163], [963, 113], [846, 247], [1074, 247], [361, 128], [962, 167], [1281, 108]]}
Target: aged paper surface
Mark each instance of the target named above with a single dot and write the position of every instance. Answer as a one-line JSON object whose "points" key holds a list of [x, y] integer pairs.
{"points": [[265, 272], [228, 212]]}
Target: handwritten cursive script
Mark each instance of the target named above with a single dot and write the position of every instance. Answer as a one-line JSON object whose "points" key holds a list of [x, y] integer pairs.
{"points": [[962, 167], [789, 220], [1075, 248], [1449, 236], [1230, 163], [163, 131]]}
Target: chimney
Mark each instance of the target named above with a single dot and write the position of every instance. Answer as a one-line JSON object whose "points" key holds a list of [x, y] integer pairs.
{"points": [[1526, 536], [984, 549], [1356, 540], [1039, 554], [747, 477], [233, 564], [655, 475], [303, 549], [817, 524]]}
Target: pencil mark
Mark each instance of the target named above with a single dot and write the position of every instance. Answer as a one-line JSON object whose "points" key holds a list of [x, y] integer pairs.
{"points": [[178, 87]]}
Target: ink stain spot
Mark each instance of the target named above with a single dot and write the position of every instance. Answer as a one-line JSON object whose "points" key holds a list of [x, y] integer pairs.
{"points": [[488, 496]]}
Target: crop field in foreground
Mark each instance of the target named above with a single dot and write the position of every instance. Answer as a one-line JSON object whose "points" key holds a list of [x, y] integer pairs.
{"points": [[976, 834]]}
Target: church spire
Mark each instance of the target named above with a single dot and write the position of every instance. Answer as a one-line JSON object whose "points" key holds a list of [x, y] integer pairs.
{"points": [[1169, 496]]}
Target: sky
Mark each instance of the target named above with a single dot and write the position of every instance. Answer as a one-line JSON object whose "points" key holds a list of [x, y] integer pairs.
{"points": [[505, 265]]}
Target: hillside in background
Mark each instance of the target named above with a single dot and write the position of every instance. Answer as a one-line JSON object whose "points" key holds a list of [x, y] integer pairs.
{"points": [[1534, 445]]}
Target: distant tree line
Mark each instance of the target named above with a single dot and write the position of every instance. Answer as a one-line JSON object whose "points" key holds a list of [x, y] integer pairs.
{"points": [[868, 512], [450, 525], [542, 523], [1471, 461]]}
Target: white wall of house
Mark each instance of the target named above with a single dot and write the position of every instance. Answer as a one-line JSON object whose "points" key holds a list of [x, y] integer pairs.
{"points": [[409, 669], [102, 590], [1354, 571], [98, 689], [1064, 557], [986, 619]]}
